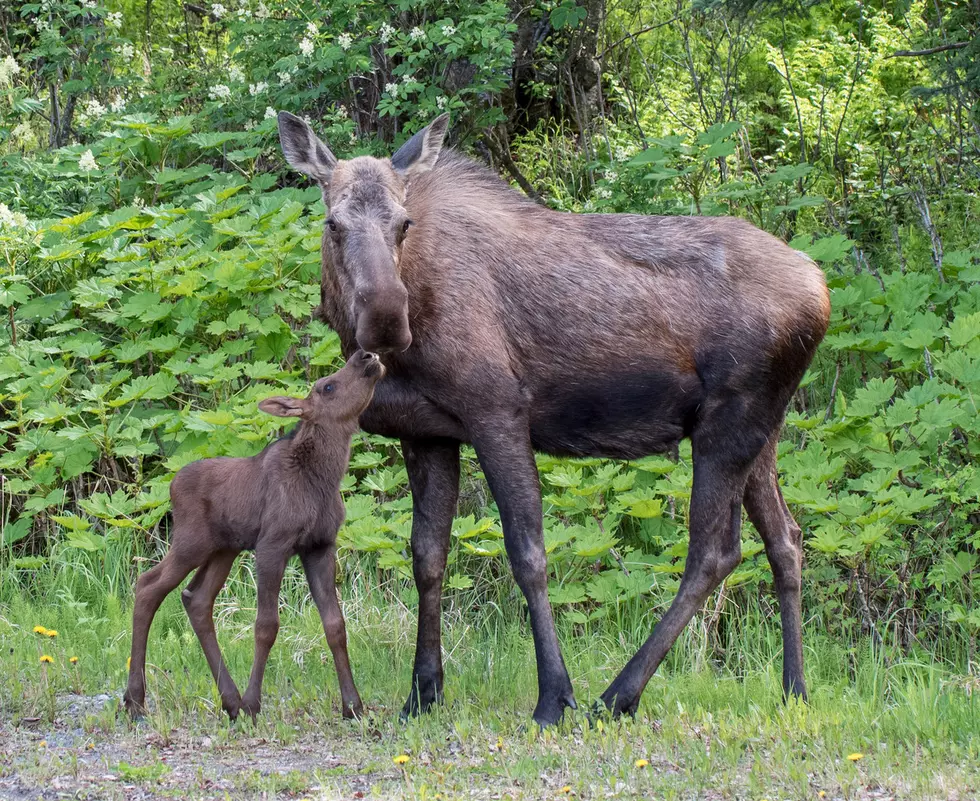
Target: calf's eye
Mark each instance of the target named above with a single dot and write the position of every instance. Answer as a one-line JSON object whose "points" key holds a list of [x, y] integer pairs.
{"points": [[406, 225]]}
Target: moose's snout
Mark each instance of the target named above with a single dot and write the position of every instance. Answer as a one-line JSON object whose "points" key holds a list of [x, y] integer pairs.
{"points": [[382, 320]]}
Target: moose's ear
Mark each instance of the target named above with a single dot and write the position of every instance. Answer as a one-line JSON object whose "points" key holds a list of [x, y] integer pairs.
{"points": [[303, 150], [281, 406], [420, 153]]}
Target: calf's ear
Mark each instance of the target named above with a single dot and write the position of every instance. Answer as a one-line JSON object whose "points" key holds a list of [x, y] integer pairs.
{"points": [[281, 406], [420, 153], [303, 150]]}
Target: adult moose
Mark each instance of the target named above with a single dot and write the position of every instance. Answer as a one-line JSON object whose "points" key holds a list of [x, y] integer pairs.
{"points": [[517, 328]]}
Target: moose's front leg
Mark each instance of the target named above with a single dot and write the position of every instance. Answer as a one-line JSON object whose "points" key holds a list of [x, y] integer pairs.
{"points": [[433, 472], [503, 447]]}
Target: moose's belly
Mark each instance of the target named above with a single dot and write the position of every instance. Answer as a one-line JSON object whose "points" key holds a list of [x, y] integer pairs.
{"points": [[623, 415]]}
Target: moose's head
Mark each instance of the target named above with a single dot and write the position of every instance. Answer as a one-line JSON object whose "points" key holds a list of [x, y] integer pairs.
{"points": [[366, 223]]}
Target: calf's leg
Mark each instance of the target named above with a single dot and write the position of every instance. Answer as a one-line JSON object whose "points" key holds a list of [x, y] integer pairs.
{"points": [[503, 447], [270, 566], [151, 588], [433, 472], [784, 547], [198, 599], [320, 567]]}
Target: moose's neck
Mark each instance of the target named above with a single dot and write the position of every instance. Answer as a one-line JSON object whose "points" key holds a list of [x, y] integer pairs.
{"points": [[321, 455]]}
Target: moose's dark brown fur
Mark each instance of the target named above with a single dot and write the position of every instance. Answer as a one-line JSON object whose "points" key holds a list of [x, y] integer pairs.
{"points": [[515, 328], [282, 502]]}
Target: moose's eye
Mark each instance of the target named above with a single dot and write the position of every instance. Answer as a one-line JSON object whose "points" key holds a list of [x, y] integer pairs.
{"points": [[406, 225], [331, 226], [327, 388]]}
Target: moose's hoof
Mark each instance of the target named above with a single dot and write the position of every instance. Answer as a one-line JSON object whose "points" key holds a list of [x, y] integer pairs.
{"points": [[551, 710], [135, 708], [420, 702], [251, 707], [353, 712], [617, 701]]}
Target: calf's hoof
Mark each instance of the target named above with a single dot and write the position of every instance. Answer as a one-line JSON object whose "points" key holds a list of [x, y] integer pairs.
{"points": [[231, 705], [135, 707], [353, 711], [251, 707]]}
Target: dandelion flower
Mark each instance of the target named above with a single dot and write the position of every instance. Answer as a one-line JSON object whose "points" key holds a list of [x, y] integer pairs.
{"points": [[42, 744], [401, 759], [73, 660], [46, 660], [567, 789], [822, 794], [857, 756], [641, 763], [39, 629], [51, 633]]}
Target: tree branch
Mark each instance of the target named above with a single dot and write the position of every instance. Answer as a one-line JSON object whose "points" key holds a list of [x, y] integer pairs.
{"points": [[929, 50]]}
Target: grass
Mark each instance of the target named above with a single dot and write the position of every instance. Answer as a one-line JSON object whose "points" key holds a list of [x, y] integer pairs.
{"points": [[706, 729]]}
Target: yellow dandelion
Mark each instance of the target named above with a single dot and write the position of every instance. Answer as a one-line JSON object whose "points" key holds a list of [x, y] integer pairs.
{"points": [[89, 746], [51, 633], [42, 744], [40, 630], [73, 660], [641, 763], [821, 794], [855, 757], [500, 743], [401, 759], [46, 659], [567, 790], [128, 660]]}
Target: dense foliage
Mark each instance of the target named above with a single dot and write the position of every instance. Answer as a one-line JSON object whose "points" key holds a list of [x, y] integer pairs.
{"points": [[159, 267]]}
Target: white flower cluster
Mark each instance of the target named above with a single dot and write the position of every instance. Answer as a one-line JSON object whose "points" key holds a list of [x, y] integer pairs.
{"points": [[442, 102], [386, 33], [257, 88], [218, 10], [284, 78], [416, 34], [270, 112], [392, 89], [87, 162], [93, 108], [345, 40], [603, 192], [235, 74], [306, 47], [8, 69], [448, 30], [114, 19], [22, 131], [622, 153], [612, 175], [117, 105], [312, 29], [262, 12], [244, 14], [219, 92], [11, 219], [342, 112], [90, 5], [127, 51]]}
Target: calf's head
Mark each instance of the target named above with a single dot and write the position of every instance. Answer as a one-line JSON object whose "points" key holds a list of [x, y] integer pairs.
{"points": [[338, 398], [366, 224]]}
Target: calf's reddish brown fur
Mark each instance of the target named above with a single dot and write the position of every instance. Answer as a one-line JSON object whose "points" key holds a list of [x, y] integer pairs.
{"points": [[517, 328], [282, 502]]}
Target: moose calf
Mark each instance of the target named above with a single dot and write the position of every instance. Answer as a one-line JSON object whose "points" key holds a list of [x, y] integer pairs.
{"points": [[283, 501]]}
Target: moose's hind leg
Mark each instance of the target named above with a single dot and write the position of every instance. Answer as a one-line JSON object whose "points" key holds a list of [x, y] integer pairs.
{"points": [[151, 588], [198, 599], [724, 446], [784, 548]]}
